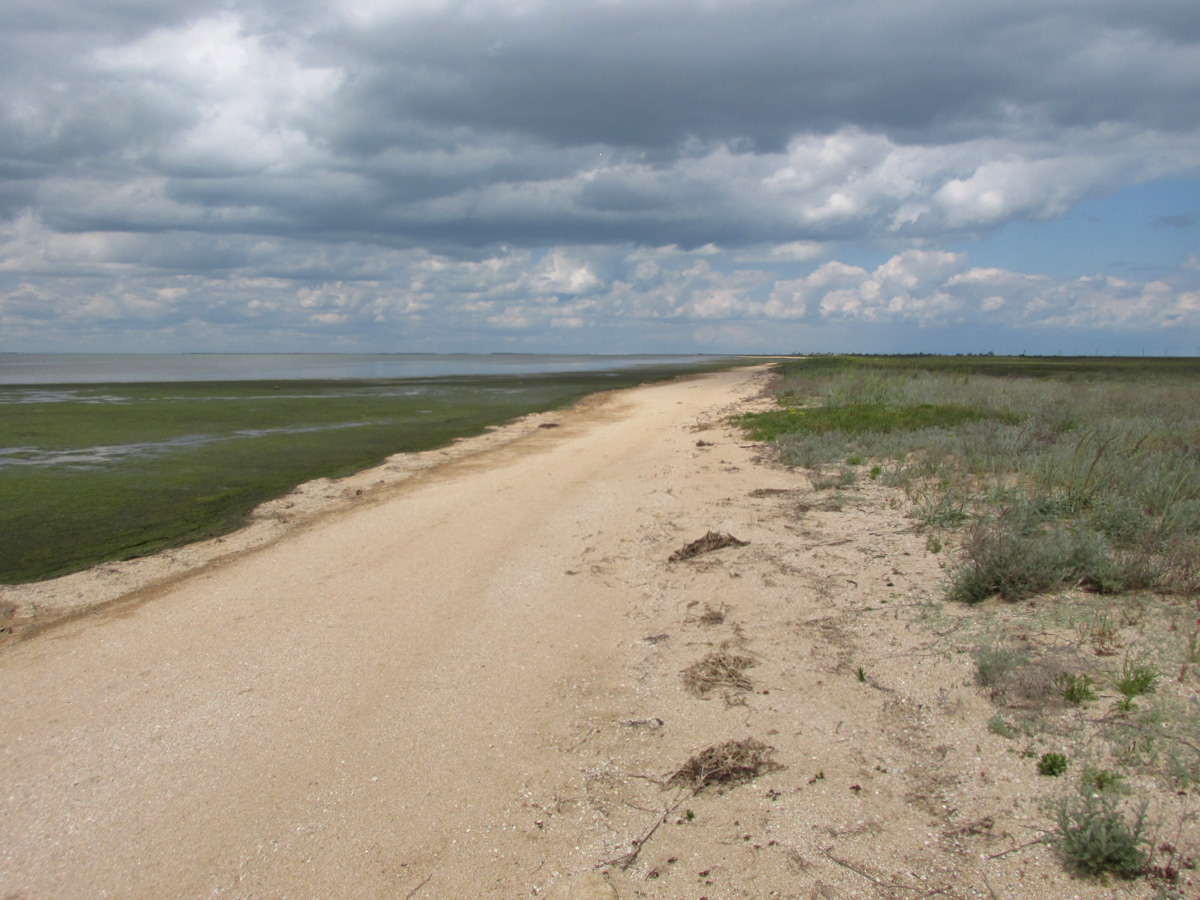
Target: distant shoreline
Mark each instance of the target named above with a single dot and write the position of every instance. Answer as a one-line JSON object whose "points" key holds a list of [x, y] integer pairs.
{"points": [[33, 369]]}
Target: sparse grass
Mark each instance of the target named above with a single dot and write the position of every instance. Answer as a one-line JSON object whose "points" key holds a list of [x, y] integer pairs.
{"points": [[842, 478], [939, 508], [1081, 471], [998, 725], [1071, 490], [993, 663], [1105, 636]]}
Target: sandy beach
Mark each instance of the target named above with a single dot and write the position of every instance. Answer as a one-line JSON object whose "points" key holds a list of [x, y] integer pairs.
{"points": [[461, 675]]}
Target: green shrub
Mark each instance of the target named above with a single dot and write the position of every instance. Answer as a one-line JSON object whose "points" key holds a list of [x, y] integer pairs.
{"points": [[1019, 554], [1003, 556], [1094, 836]]}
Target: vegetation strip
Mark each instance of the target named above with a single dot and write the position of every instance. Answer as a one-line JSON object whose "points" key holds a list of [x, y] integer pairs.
{"points": [[1065, 494]]}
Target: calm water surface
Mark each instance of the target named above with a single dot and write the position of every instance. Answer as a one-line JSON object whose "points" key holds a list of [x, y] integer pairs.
{"points": [[88, 368]]}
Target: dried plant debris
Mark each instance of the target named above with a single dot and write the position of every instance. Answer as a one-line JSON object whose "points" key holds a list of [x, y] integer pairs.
{"points": [[720, 668], [712, 615], [731, 763], [714, 540]]}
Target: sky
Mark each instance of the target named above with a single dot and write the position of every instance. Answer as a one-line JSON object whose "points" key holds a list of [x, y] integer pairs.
{"points": [[725, 176]]}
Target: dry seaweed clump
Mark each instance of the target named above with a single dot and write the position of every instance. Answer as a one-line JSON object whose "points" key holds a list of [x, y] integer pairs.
{"points": [[720, 668], [734, 762], [713, 540]]}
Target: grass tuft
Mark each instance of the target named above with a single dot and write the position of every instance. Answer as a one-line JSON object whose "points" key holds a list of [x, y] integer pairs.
{"points": [[1136, 679], [1077, 689]]}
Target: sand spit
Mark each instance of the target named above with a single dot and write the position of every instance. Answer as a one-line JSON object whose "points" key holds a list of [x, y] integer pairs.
{"points": [[461, 675]]}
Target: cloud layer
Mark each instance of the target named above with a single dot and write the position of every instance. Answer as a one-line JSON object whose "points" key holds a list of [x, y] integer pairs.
{"points": [[432, 168]]}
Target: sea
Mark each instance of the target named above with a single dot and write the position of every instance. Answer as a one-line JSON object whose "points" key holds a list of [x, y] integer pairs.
{"points": [[106, 368]]}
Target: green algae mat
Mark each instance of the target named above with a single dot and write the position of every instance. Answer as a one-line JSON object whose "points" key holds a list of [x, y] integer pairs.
{"points": [[98, 472]]}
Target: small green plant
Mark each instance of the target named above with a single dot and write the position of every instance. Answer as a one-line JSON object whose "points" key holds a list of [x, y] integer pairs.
{"points": [[861, 674], [1136, 679], [1077, 689], [854, 459], [1094, 836], [933, 544], [1052, 765], [876, 471], [998, 725]]}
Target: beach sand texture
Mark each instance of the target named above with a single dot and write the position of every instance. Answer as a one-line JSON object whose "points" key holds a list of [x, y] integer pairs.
{"points": [[460, 677]]}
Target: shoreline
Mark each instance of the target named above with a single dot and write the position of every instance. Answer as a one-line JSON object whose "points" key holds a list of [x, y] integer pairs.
{"points": [[110, 472], [30, 608]]}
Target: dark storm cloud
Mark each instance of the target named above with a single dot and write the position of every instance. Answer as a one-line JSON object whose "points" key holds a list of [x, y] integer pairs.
{"points": [[591, 122], [652, 76]]}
